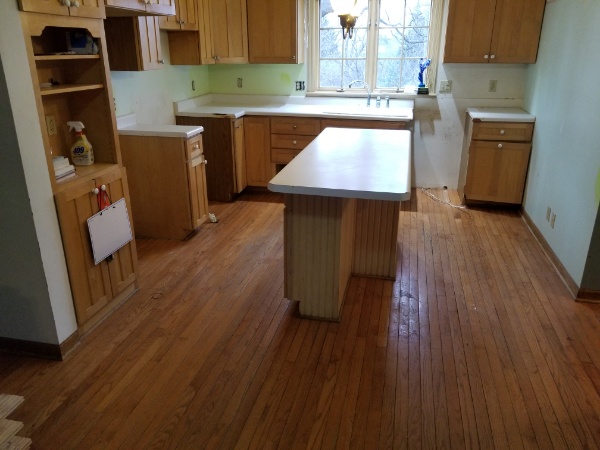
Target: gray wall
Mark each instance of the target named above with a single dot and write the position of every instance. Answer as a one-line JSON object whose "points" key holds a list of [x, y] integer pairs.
{"points": [[564, 94], [24, 300]]}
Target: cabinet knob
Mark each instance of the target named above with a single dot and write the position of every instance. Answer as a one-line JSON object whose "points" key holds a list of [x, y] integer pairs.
{"points": [[75, 4], [162, 61], [205, 161], [66, 2], [500, 145], [502, 131], [294, 142], [486, 56], [196, 147], [95, 191], [492, 56], [294, 126], [293, 58]]}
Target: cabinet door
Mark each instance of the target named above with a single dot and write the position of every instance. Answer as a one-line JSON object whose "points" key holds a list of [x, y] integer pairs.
{"points": [[239, 156], [123, 265], [90, 283], [161, 7], [257, 145], [185, 18], [273, 31], [517, 29], [469, 31], [226, 32], [197, 181], [133, 43], [84, 8], [496, 171]]}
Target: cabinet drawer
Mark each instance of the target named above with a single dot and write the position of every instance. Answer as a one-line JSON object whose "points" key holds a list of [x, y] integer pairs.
{"points": [[290, 141], [194, 150], [502, 131], [295, 125], [283, 155]]}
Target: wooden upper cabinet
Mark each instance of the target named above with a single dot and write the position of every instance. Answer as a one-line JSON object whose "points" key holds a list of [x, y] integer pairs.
{"points": [[495, 31], [140, 7], [185, 18], [133, 43], [275, 31], [225, 31], [77, 8]]}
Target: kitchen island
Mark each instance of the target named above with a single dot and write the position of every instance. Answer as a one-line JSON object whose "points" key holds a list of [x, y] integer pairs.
{"points": [[342, 206]]}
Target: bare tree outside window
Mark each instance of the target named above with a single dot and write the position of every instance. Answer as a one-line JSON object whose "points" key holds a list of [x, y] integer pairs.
{"points": [[400, 29]]}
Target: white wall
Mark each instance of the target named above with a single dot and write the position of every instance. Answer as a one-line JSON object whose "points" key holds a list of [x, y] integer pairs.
{"points": [[564, 94], [48, 315]]}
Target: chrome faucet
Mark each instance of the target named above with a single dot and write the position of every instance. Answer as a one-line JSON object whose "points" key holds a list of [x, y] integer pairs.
{"points": [[366, 87]]}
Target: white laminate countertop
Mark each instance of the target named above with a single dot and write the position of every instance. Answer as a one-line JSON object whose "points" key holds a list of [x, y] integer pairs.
{"points": [[351, 163], [127, 125], [500, 115], [399, 110]]}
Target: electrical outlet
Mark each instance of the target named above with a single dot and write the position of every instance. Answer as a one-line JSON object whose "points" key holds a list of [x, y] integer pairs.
{"points": [[548, 212], [446, 86], [51, 125], [300, 85], [552, 220], [240, 82], [493, 85]]}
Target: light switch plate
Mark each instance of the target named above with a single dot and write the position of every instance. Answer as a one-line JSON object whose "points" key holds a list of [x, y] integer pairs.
{"points": [[445, 85]]}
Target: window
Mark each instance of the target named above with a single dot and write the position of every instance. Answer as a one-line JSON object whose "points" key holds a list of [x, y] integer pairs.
{"points": [[389, 40]]}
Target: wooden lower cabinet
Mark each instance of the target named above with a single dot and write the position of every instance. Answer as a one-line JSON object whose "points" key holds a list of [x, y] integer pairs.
{"points": [[167, 183], [97, 289], [497, 171], [257, 146], [223, 141]]}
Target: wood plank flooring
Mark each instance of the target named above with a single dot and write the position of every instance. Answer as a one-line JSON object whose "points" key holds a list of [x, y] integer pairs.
{"points": [[476, 345]]}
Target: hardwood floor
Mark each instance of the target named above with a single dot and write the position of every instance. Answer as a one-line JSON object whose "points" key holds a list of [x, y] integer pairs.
{"points": [[476, 345]]}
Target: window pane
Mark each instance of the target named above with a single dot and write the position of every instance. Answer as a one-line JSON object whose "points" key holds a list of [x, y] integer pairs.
{"points": [[415, 42], [357, 46], [331, 44], [362, 11], [418, 13], [354, 69], [388, 73], [390, 43], [330, 73], [391, 13], [410, 72]]}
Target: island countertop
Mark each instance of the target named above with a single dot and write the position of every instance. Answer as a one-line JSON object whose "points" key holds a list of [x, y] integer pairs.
{"points": [[351, 163]]}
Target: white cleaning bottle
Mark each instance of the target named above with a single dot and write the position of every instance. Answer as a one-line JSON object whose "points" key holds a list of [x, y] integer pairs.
{"points": [[82, 152]]}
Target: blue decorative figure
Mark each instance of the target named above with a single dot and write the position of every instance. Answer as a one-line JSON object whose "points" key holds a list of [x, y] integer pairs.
{"points": [[423, 64]]}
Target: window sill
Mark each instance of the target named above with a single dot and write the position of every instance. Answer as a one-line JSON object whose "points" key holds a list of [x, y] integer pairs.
{"points": [[363, 94]]}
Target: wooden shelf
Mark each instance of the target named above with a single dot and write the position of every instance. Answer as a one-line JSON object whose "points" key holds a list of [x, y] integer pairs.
{"points": [[84, 173], [65, 88], [63, 57]]}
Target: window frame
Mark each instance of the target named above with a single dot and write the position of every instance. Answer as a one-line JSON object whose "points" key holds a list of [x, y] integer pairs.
{"points": [[313, 59]]}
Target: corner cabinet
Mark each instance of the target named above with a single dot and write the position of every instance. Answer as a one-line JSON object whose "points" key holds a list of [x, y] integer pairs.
{"points": [[140, 7], [133, 43], [223, 142], [495, 160], [77, 87], [276, 30], [493, 31]]}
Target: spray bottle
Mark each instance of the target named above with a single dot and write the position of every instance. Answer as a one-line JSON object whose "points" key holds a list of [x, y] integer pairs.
{"points": [[82, 153]]}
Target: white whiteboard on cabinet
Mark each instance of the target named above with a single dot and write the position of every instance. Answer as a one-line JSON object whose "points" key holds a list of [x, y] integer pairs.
{"points": [[109, 230]]}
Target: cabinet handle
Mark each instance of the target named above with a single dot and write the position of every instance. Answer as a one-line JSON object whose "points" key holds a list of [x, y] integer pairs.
{"points": [[162, 61], [500, 145], [501, 131], [486, 56]]}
